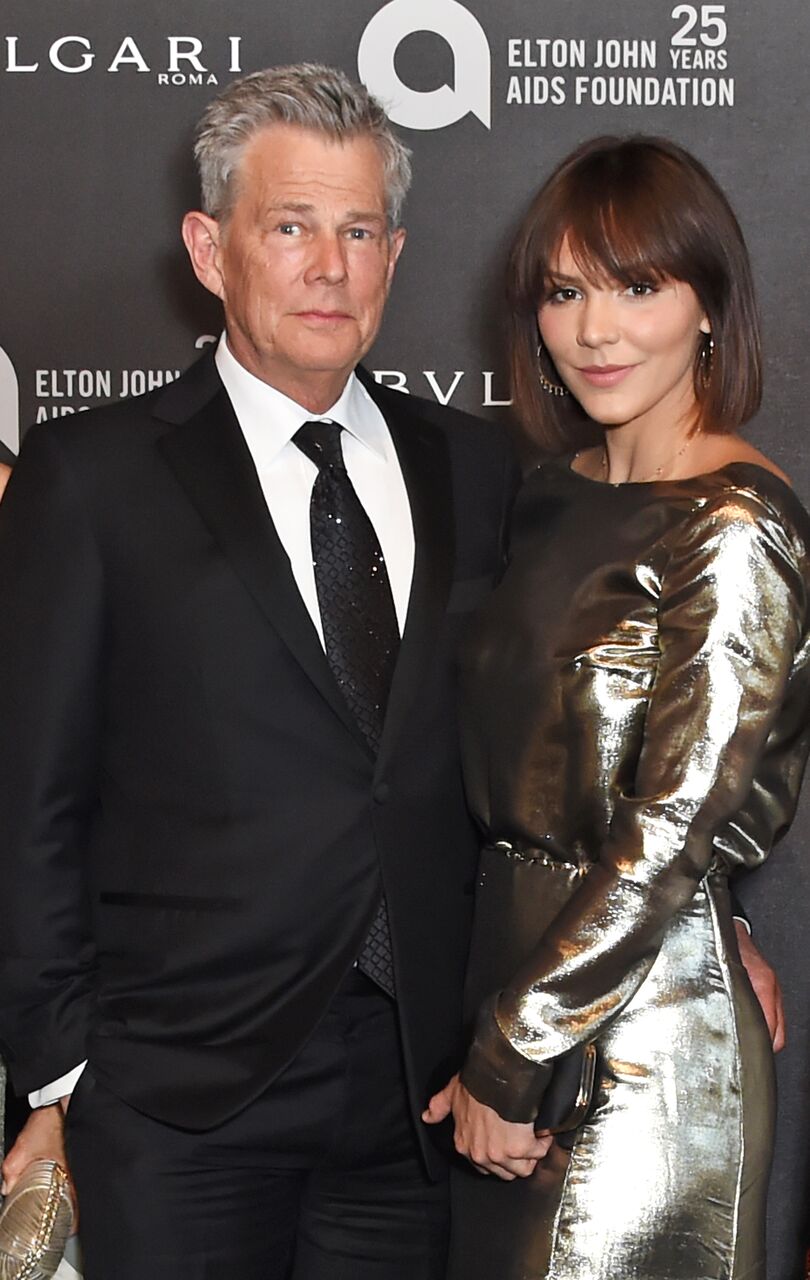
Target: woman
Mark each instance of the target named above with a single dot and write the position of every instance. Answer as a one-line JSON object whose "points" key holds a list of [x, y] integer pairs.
{"points": [[636, 723]]}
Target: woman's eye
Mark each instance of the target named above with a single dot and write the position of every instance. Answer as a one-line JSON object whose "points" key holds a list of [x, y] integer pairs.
{"points": [[564, 294], [641, 289]]}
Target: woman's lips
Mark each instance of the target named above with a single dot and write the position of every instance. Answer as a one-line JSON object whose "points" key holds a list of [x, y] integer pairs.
{"points": [[605, 375]]}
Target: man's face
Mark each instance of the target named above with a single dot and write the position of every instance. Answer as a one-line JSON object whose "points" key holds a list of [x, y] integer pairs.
{"points": [[304, 262]]}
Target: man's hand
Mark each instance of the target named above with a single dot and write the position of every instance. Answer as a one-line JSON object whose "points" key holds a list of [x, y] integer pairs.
{"points": [[765, 984], [492, 1144], [42, 1138]]}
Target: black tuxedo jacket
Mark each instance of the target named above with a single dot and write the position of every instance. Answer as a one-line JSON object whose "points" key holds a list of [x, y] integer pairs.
{"points": [[195, 831]]}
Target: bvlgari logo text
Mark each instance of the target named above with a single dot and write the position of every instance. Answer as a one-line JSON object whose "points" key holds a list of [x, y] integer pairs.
{"points": [[183, 60]]}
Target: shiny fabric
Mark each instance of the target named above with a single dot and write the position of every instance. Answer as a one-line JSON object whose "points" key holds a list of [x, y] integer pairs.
{"points": [[635, 726]]}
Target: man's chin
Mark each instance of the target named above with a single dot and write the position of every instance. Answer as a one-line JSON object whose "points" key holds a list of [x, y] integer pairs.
{"points": [[315, 379], [327, 357]]}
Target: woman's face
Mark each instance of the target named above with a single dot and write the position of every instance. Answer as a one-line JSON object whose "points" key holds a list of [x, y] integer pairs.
{"points": [[626, 353]]}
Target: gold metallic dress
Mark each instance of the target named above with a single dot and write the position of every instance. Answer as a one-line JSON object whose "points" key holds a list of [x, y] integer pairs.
{"points": [[635, 725]]}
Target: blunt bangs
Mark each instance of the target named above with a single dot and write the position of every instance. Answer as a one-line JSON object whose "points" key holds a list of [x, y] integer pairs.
{"points": [[623, 220]]}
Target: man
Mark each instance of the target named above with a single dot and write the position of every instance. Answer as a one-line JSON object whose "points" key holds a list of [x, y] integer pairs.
{"points": [[238, 863], [230, 792]]}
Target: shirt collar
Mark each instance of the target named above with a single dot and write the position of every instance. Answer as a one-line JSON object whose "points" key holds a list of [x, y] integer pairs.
{"points": [[269, 419]]}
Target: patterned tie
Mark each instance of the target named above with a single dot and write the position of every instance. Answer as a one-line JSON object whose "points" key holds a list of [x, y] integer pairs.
{"points": [[359, 622]]}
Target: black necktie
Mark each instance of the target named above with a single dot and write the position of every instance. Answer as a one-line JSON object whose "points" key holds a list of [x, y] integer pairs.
{"points": [[358, 618]]}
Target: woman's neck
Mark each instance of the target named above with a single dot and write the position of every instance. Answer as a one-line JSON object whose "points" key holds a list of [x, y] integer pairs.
{"points": [[634, 456]]}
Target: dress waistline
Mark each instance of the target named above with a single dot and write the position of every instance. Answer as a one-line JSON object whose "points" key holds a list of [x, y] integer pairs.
{"points": [[549, 854]]}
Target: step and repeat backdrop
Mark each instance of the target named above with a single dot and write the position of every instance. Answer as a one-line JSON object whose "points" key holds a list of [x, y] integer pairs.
{"points": [[98, 302]]}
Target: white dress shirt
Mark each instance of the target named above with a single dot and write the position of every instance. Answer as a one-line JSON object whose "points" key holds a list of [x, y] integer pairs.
{"points": [[269, 420]]}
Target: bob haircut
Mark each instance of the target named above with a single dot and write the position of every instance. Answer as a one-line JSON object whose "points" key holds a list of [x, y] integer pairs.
{"points": [[636, 209]]}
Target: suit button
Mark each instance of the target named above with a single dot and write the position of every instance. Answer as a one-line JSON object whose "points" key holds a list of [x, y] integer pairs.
{"points": [[382, 793]]}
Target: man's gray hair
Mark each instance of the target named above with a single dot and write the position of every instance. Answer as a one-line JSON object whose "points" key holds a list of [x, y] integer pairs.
{"points": [[315, 97]]}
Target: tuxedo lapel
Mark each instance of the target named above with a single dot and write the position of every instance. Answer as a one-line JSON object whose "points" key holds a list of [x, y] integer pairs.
{"points": [[206, 450], [423, 457]]}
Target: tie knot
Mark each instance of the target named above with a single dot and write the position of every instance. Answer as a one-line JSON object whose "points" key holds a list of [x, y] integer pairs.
{"points": [[320, 441]]}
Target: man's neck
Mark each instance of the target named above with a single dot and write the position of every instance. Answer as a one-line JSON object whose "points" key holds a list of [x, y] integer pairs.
{"points": [[315, 390]]}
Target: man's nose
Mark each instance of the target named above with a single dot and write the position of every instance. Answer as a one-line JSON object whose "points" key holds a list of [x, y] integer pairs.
{"points": [[328, 261], [599, 321]]}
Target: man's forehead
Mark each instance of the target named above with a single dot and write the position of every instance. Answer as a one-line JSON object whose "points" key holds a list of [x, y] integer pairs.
{"points": [[291, 153]]}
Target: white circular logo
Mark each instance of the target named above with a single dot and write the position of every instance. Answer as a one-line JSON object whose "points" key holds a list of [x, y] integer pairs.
{"points": [[436, 108], [9, 404]]}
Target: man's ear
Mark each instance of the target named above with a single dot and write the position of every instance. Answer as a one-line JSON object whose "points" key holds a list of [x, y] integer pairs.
{"points": [[201, 235], [397, 243]]}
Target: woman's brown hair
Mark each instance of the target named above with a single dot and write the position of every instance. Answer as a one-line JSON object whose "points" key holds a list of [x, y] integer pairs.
{"points": [[636, 209]]}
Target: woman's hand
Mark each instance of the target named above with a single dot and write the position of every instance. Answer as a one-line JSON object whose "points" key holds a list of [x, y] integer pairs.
{"points": [[490, 1143], [41, 1138], [765, 984]]}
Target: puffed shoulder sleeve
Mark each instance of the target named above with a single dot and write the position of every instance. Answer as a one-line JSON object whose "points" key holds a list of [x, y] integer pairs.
{"points": [[731, 620]]}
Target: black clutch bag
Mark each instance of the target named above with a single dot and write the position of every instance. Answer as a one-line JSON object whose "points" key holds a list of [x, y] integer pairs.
{"points": [[568, 1098], [35, 1222]]}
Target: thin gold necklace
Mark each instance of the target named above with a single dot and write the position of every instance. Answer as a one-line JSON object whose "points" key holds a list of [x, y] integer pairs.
{"points": [[654, 475]]}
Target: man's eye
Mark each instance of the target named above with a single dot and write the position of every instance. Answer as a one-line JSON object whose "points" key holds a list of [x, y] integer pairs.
{"points": [[359, 233], [289, 228]]}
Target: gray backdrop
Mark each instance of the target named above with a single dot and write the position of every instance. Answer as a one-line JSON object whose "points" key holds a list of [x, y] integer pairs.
{"points": [[98, 106]]}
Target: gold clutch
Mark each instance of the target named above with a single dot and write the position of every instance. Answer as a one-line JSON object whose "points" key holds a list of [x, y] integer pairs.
{"points": [[35, 1223]]}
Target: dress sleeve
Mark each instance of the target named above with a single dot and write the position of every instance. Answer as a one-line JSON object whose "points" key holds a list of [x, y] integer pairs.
{"points": [[731, 615]]}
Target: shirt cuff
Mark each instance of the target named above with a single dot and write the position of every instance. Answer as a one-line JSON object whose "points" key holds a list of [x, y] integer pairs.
{"points": [[60, 1088]]}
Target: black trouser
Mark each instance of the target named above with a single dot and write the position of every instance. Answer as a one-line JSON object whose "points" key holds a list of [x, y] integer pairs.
{"points": [[320, 1179]]}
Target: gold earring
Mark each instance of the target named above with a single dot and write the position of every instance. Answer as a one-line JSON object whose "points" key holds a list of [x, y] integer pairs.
{"points": [[705, 359], [550, 388]]}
